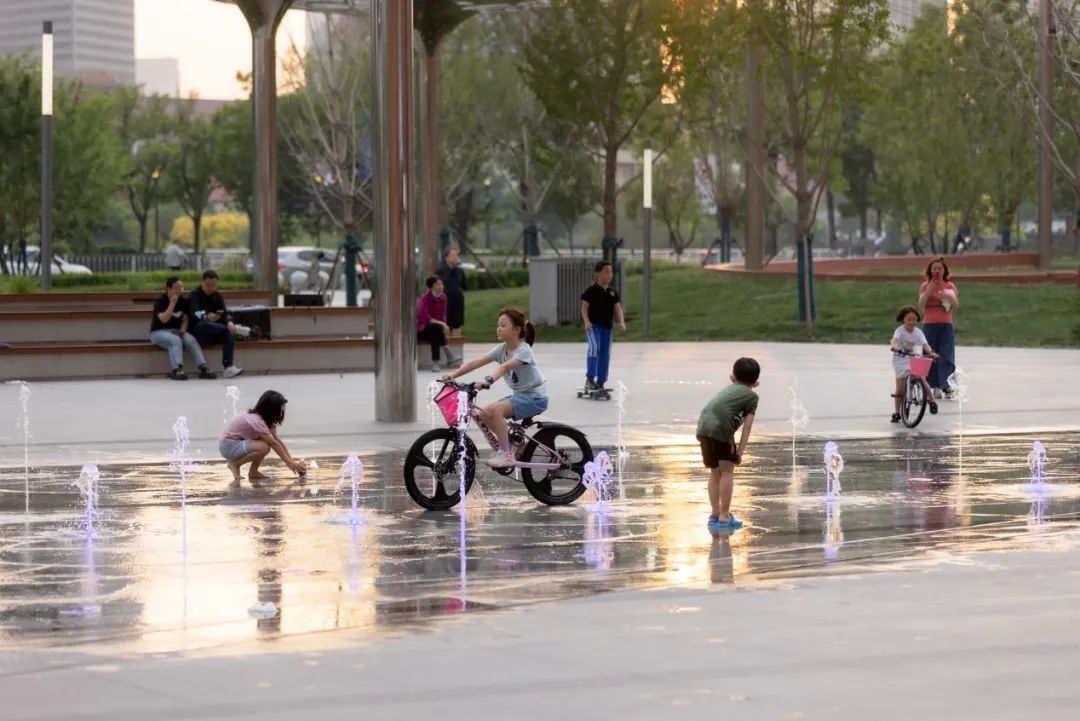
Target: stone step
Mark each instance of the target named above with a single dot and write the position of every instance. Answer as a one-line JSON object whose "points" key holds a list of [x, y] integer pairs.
{"points": [[123, 359]]}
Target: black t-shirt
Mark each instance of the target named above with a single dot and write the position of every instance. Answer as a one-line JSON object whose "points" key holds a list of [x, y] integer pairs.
{"points": [[213, 303], [453, 281], [602, 302], [160, 305]]}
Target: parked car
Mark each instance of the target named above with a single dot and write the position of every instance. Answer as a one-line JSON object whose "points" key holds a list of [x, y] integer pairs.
{"points": [[294, 258], [60, 264]]}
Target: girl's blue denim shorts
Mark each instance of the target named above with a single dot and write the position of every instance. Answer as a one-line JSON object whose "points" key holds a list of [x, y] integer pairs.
{"points": [[231, 450], [527, 406]]}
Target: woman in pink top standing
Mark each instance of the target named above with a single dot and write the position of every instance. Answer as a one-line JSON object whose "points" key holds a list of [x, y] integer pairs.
{"points": [[431, 323], [939, 299], [248, 438]]}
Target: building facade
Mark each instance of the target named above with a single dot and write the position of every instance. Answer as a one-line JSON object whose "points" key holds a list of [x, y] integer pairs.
{"points": [[91, 37]]}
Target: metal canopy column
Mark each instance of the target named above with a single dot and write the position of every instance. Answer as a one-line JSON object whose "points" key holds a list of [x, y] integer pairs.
{"points": [[395, 334]]}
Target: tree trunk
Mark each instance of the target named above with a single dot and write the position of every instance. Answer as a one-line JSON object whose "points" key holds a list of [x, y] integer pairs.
{"points": [[196, 229], [142, 232], [863, 213], [830, 204], [611, 164]]}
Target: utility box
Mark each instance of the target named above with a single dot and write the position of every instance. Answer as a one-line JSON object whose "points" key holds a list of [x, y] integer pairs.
{"points": [[556, 285]]}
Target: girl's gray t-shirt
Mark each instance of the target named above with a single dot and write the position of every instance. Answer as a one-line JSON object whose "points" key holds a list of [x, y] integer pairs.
{"points": [[526, 379]]}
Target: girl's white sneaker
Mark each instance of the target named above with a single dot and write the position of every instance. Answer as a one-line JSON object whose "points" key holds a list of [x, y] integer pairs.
{"points": [[501, 460]]}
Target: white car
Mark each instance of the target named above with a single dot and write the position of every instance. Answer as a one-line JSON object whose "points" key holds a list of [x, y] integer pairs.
{"points": [[60, 264]]}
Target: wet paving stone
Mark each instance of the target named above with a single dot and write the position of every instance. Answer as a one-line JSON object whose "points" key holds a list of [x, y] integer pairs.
{"points": [[287, 560]]}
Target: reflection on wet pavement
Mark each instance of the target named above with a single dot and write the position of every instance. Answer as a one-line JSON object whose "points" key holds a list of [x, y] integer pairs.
{"points": [[284, 561]]}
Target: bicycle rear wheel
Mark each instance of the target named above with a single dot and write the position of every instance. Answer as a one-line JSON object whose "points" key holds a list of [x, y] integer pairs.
{"points": [[572, 451], [913, 404], [433, 465]]}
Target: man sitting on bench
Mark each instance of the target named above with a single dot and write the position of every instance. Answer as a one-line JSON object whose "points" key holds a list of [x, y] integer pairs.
{"points": [[212, 321]]}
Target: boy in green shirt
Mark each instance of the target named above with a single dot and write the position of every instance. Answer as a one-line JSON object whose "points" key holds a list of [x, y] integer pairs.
{"points": [[719, 420]]}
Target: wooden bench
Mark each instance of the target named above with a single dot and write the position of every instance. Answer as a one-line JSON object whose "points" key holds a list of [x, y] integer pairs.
{"points": [[82, 301], [124, 359], [133, 324]]}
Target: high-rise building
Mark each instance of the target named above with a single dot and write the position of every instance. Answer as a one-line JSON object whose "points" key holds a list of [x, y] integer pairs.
{"points": [[91, 37], [902, 13], [158, 76]]}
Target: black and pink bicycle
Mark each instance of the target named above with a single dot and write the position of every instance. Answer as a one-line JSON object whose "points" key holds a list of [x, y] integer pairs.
{"points": [[551, 457]]}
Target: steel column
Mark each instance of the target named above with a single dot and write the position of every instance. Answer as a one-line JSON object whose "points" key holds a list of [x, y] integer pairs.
{"points": [[395, 334]]}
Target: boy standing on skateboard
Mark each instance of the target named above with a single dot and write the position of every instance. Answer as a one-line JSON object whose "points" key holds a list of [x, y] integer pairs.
{"points": [[600, 307]]}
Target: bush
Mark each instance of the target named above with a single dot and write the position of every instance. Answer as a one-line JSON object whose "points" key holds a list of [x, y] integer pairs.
{"points": [[19, 284], [230, 280], [509, 277]]}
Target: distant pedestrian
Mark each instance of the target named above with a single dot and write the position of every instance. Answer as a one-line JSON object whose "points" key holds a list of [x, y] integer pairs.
{"points": [[601, 307], [939, 299], [721, 417], [453, 278], [175, 257]]}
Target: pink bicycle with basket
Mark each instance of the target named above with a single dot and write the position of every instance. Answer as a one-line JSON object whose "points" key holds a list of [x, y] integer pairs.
{"points": [[550, 456], [913, 404]]}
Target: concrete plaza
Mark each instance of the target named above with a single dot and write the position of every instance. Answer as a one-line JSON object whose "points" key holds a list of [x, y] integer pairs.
{"points": [[845, 389], [948, 589]]}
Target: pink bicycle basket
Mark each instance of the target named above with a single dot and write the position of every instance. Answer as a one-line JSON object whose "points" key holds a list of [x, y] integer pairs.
{"points": [[447, 401], [920, 365]]}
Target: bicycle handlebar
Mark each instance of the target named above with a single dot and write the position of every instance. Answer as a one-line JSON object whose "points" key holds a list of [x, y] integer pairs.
{"points": [[469, 388]]}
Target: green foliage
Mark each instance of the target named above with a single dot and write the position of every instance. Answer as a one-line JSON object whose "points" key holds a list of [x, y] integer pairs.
{"points": [[86, 157], [817, 59], [19, 284], [508, 277], [598, 67], [234, 280], [686, 299]]}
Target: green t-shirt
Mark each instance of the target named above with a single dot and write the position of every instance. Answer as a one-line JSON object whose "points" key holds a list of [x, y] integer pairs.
{"points": [[723, 415]]}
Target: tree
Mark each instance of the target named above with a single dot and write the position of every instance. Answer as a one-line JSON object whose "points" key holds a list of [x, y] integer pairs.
{"points": [[20, 148], [715, 102], [576, 193], [598, 67], [676, 200], [86, 156], [89, 164], [816, 59], [327, 123], [193, 177], [915, 123], [145, 129], [858, 164]]}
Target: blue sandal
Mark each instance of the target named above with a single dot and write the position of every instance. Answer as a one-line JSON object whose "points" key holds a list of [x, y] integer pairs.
{"points": [[732, 523]]}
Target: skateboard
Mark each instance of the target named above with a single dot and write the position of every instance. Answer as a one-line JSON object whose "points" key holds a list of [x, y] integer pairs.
{"points": [[601, 394]]}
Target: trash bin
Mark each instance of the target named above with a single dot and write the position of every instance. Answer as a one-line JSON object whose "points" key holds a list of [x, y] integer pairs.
{"points": [[556, 285]]}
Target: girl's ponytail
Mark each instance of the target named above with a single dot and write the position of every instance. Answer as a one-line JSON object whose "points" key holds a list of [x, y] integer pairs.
{"points": [[530, 332]]}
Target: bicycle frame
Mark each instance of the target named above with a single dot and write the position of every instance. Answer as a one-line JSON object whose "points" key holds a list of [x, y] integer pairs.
{"points": [[474, 414]]}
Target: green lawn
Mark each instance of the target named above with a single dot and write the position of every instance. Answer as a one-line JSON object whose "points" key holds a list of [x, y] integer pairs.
{"points": [[690, 304]]}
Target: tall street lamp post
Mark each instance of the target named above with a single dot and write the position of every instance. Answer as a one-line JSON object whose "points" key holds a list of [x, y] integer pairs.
{"points": [[45, 262], [646, 275]]}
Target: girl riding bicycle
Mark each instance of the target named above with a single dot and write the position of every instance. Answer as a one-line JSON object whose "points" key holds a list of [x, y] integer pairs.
{"points": [[908, 340], [517, 364]]}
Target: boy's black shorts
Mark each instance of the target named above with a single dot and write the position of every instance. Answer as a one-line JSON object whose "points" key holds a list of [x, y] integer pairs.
{"points": [[713, 451]]}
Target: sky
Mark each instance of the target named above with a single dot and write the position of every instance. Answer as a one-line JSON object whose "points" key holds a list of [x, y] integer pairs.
{"points": [[210, 38]]}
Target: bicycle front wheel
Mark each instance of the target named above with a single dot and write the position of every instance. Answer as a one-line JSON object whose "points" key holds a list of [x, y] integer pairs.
{"points": [[434, 469], [913, 405], [556, 444]]}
